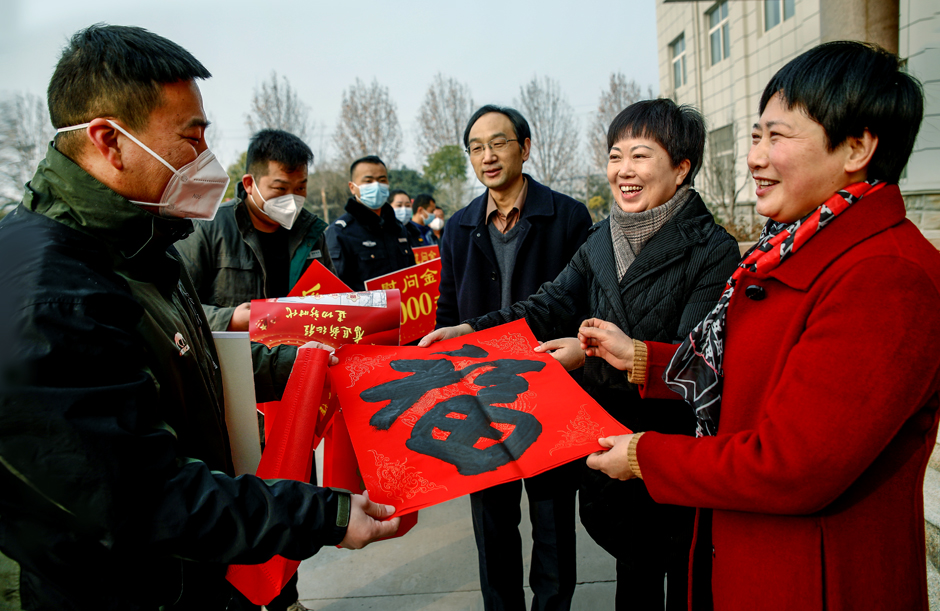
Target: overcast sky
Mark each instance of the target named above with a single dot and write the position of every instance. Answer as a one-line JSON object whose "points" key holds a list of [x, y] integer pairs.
{"points": [[321, 47]]}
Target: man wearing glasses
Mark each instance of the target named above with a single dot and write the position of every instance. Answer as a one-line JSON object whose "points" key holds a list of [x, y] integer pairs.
{"points": [[499, 249]]}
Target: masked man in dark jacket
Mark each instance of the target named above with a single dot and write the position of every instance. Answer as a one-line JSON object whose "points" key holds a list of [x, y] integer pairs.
{"points": [[261, 242], [258, 246], [115, 465], [368, 241]]}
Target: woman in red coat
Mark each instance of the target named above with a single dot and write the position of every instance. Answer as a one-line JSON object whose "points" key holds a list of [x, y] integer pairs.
{"points": [[815, 379]]}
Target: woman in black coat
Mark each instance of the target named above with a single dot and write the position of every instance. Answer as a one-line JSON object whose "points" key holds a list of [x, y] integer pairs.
{"points": [[654, 268]]}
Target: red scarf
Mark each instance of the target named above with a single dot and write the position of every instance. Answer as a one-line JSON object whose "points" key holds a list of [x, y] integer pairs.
{"points": [[695, 370]]}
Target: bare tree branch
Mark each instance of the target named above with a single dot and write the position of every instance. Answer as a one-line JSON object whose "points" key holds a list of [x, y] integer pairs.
{"points": [[25, 133], [276, 105], [443, 115], [554, 131], [368, 124], [620, 94], [719, 179]]}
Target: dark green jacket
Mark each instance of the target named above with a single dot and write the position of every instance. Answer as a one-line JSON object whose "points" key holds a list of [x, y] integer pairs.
{"points": [[116, 487], [225, 261]]}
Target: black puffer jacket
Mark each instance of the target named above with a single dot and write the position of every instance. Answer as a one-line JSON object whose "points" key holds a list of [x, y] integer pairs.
{"points": [[673, 283], [116, 479]]}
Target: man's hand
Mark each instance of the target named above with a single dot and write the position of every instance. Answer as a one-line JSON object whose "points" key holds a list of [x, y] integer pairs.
{"points": [[606, 340], [614, 461], [320, 346], [240, 317], [365, 522], [438, 335], [566, 351]]}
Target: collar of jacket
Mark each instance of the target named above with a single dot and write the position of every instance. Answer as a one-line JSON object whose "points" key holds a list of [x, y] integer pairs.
{"points": [[366, 216], [868, 216], [692, 224], [63, 191], [538, 202]]}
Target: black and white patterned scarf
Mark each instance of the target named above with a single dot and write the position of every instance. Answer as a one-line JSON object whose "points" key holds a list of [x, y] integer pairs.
{"points": [[695, 370]]}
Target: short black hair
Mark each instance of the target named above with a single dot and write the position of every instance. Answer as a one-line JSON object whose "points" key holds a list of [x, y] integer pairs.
{"points": [[519, 124], [678, 129], [366, 159], [848, 87], [423, 201], [114, 71], [392, 194], [278, 146]]}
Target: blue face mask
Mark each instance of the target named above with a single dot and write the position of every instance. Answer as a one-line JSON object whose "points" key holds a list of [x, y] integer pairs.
{"points": [[403, 215], [373, 195]]}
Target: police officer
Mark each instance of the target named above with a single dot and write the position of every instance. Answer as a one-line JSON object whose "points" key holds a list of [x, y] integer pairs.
{"points": [[368, 240]]}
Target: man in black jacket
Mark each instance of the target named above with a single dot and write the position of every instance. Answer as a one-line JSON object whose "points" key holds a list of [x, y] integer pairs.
{"points": [[499, 250], [118, 490], [368, 241], [261, 242], [257, 247]]}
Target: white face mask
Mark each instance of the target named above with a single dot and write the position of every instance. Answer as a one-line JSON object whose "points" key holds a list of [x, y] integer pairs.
{"points": [[283, 210], [403, 214], [194, 191], [437, 224]]}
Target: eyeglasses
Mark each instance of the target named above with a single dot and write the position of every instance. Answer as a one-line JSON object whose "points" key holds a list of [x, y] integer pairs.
{"points": [[496, 145]]}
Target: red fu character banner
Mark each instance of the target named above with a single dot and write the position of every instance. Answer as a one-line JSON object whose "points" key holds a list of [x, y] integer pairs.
{"points": [[420, 287], [431, 424]]}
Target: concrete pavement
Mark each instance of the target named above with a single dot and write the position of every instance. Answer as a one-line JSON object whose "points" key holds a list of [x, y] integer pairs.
{"points": [[434, 568]]}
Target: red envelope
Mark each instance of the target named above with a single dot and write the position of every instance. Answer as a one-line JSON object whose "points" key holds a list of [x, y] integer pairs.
{"points": [[370, 317], [288, 454], [431, 424], [318, 280]]}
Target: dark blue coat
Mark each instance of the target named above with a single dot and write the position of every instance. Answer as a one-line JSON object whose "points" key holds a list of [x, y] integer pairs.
{"points": [[552, 228]]}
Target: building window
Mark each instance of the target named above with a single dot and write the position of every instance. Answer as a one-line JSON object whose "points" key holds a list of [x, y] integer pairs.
{"points": [[677, 48], [773, 10], [720, 164], [718, 31]]}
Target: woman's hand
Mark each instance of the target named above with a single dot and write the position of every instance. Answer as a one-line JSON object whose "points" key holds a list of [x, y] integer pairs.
{"points": [[613, 461], [606, 340], [439, 335], [566, 351], [319, 346]]}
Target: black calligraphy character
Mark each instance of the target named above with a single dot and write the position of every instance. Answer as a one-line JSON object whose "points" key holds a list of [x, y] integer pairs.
{"points": [[404, 393], [466, 421], [474, 352]]}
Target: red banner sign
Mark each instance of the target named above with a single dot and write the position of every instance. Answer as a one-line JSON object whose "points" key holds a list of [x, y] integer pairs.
{"points": [[318, 280], [431, 424], [426, 253], [420, 287]]}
